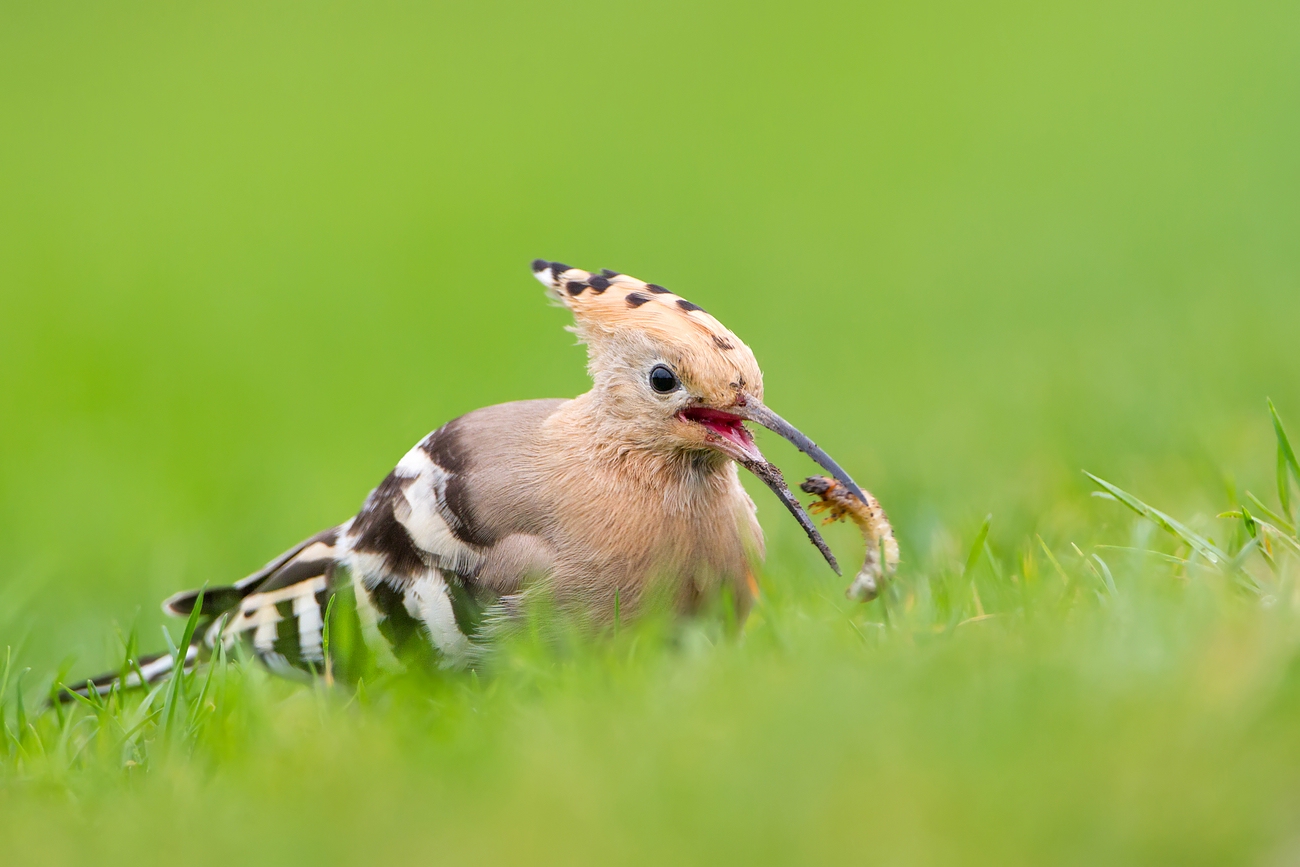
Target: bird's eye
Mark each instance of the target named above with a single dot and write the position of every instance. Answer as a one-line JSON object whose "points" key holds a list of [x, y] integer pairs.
{"points": [[662, 379]]}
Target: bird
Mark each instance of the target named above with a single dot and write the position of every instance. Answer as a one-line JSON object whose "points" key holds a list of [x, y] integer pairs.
{"points": [[623, 498]]}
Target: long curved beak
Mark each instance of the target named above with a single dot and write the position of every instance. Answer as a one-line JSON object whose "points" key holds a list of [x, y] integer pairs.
{"points": [[754, 411], [729, 436]]}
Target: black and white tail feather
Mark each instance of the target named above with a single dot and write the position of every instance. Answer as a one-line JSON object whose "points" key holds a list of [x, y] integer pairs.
{"points": [[404, 565]]}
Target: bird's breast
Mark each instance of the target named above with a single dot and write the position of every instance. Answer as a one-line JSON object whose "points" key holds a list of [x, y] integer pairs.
{"points": [[678, 537]]}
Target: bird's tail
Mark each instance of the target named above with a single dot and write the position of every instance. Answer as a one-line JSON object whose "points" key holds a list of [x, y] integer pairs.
{"points": [[144, 671], [281, 608]]}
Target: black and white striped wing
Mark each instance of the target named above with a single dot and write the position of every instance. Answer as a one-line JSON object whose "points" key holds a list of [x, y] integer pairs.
{"points": [[405, 569], [279, 609], [407, 559], [284, 616], [412, 560]]}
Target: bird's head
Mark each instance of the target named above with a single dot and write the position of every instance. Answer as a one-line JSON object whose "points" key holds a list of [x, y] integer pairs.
{"points": [[672, 377]]}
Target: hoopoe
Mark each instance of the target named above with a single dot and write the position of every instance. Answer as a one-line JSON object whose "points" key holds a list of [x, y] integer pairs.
{"points": [[624, 494]]}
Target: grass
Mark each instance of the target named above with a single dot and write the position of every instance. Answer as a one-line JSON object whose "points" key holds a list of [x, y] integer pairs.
{"points": [[249, 253], [1051, 701]]}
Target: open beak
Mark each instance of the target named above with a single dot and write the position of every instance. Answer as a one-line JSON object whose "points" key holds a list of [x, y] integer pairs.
{"points": [[729, 436]]}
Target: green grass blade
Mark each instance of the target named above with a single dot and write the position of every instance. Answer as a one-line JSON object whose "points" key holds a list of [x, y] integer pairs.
{"points": [[1083, 558], [172, 647], [4, 678], [145, 718], [977, 547], [217, 660], [1051, 558], [325, 628], [4, 691], [1264, 510], [197, 710], [1107, 578], [93, 696], [992, 561], [1238, 563], [1277, 533], [130, 653], [1285, 459], [1200, 544], [56, 684], [1247, 520], [81, 699], [178, 667], [20, 711], [1283, 483]]}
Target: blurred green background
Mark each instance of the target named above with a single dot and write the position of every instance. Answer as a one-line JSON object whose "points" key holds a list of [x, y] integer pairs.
{"points": [[250, 252]]}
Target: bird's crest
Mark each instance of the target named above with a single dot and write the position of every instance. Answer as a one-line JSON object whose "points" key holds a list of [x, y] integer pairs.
{"points": [[607, 305]]}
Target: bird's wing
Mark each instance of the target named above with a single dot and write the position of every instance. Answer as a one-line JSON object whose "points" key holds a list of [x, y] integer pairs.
{"points": [[411, 570], [408, 561], [280, 609], [218, 600], [420, 570], [426, 562], [400, 562]]}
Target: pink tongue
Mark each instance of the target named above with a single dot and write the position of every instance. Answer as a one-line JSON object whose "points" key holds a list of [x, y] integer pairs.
{"points": [[730, 430], [727, 426], [734, 432], [717, 422]]}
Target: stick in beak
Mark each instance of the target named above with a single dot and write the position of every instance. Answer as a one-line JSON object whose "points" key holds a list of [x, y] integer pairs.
{"points": [[771, 476], [754, 411]]}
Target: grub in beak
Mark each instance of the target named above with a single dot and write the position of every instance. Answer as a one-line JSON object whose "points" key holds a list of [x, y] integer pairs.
{"points": [[881, 557]]}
